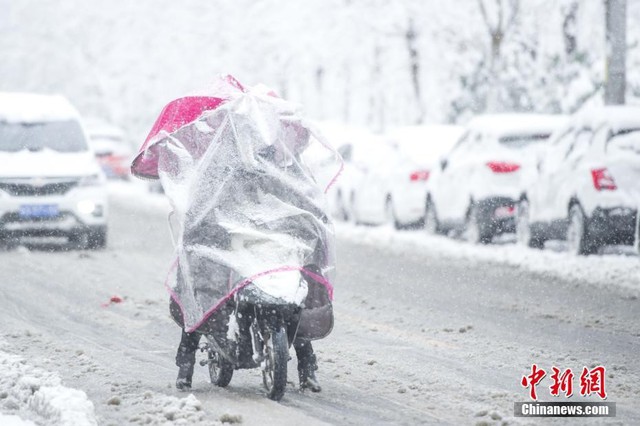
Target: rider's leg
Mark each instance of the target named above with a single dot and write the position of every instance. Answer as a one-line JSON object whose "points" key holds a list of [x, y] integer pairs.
{"points": [[307, 365], [245, 343], [186, 359]]}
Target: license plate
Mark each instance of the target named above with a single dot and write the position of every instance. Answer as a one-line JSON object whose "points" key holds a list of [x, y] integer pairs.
{"points": [[31, 211]]}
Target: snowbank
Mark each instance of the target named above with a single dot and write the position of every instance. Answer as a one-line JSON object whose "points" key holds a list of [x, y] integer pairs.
{"points": [[29, 394], [606, 271]]}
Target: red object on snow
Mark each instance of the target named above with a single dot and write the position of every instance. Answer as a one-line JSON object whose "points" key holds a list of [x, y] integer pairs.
{"points": [[113, 299], [503, 167]]}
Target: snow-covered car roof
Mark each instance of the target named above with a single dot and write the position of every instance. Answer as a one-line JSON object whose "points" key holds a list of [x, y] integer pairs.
{"points": [[18, 107], [619, 117], [97, 128], [427, 141], [501, 125]]}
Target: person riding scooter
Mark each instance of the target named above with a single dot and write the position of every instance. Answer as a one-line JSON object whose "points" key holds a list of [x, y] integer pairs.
{"points": [[257, 183]]}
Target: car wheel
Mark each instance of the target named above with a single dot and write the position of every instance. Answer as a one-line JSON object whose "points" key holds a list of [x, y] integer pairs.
{"points": [[353, 216], [524, 235], [390, 216], [341, 208], [97, 239], [79, 241], [474, 231], [89, 240], [8, 242], [578, 241], [431, 219]]}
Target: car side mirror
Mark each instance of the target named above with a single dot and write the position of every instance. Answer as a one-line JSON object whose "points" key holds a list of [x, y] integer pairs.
{"points": [[443, 164]]}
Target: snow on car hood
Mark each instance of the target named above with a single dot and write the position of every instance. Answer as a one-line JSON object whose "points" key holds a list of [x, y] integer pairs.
{"points": [[47, 163]]}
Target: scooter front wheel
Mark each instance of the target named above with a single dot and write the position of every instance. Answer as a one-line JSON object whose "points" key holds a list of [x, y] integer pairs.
{"points": [[274, 369], [220, 370]]}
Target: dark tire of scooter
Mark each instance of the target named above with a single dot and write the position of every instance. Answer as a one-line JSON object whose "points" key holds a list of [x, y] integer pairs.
{"points": [[220, 370], [276, 357]]}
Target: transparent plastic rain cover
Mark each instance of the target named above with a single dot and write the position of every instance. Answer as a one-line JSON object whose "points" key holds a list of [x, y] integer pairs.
{"points": [[247, 183]]}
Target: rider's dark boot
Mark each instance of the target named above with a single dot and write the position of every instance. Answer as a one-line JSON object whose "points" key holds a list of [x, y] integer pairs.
{"points": [[307, 366], [186, 359], [185, 375]]}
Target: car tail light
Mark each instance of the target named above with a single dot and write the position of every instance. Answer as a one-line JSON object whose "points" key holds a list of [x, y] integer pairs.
{"points": [[503, 167], [504, 211], [602, 180], [419, 175]]}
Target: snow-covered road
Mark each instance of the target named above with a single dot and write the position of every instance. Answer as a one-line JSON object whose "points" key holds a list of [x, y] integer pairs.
{"points": [[427, 331]]}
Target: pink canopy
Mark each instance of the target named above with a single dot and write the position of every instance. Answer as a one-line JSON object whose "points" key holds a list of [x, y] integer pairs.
{"points": [[177, 114]]}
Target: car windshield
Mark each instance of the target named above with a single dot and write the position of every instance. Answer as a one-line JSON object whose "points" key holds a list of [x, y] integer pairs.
{"points": [[625, 142], [61, 136], [520, 141]]}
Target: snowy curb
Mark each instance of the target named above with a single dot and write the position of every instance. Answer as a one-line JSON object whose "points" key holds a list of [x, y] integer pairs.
{"points": [[606, 271], [39, 396]]}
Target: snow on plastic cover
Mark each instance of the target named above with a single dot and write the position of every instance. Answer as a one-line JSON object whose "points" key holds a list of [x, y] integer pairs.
{"points": [[250, 209]]}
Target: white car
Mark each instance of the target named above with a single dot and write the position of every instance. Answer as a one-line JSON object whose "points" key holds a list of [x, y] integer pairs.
{"points": [[363, 188], [108, 143], [481, 179], [588, 184], [50, 182], [363, 152], [419, 151]]}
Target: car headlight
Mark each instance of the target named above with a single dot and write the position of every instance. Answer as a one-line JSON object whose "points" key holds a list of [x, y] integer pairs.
{"points": [[91, 180], [90, 207]]}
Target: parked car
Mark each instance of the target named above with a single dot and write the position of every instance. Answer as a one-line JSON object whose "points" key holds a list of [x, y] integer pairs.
{"points": [[108, 143], [50, 182], [480, 180], [363, 153], [419, 151], [588, 186], [368, 175]]}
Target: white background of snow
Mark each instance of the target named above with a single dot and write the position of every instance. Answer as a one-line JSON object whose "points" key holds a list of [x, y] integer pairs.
{"points": [[129, 58]]}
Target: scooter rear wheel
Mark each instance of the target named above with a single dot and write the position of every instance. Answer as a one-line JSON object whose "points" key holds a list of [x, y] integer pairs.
{"points": [[220, 370], [274, 372]]}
